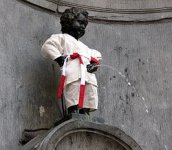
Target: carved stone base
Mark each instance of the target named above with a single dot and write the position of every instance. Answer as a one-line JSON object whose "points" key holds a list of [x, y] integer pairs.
{"points": [[82, 132]]}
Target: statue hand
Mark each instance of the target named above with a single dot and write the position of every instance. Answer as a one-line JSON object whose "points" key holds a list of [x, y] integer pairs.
{"points": [[60, 60], [92, 67]]}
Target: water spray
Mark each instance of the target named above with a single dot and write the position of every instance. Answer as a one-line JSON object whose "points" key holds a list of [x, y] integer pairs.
{"points": [[126, 80]]}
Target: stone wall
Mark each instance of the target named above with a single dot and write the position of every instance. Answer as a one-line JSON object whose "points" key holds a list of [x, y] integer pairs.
{"points": [[138, 101]]}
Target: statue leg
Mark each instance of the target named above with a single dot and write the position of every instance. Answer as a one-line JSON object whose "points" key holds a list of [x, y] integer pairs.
{"points": [[85, 111], [73, 109]]}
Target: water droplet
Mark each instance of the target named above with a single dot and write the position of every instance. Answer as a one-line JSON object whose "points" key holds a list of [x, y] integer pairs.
{"points": [[129, 83]]}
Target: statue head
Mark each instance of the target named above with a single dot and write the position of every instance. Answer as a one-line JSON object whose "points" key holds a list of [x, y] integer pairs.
{"points": [[74, 22]]}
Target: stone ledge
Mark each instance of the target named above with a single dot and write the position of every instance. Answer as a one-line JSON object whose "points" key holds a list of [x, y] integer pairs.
{"points": [[44, 4], [76, 123]]}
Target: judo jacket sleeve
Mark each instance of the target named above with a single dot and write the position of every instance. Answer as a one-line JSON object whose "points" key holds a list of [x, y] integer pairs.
{"points": [[53, 47]]}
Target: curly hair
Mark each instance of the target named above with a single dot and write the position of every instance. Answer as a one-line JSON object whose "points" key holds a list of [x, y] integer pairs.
{"points": [[69, 15]]}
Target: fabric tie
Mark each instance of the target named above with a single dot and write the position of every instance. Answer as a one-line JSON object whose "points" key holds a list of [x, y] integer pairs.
{"points": [[82, 85]]}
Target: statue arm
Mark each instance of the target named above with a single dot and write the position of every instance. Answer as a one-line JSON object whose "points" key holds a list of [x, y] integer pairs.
{"points": [[60, 60], [53, 49], [92, 67]]}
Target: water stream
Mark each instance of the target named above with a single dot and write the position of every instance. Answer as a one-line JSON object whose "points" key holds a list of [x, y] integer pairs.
{"points": [[127, 82]]}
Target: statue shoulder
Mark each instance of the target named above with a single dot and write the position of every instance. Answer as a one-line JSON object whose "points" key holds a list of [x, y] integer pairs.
{"points": [[57, 36]]}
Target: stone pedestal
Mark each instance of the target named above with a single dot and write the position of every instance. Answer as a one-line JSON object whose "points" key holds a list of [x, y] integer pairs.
{"points": [[82, 132]]}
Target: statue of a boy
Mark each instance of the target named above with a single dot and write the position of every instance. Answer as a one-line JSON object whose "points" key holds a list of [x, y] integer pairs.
{"points": [[78, 62]]}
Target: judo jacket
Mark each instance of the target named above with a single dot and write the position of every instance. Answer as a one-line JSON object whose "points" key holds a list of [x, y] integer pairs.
{"points": [[64, 44]]}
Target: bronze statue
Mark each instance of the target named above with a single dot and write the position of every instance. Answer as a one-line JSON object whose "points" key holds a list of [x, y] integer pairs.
{"points": [[78, 62]]}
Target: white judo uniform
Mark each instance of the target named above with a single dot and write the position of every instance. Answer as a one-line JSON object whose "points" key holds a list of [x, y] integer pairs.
{"points": [[64, 44]]}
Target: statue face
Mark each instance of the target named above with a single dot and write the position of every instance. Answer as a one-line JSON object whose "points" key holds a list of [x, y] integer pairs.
{"points": [[78, 26]]}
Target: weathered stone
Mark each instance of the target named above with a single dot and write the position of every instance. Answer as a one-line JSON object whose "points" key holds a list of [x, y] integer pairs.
{"points": [[29, 82], [78, 126], [43, 3]]}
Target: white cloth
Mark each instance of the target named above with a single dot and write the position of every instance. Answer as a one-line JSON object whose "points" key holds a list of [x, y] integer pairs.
{"points": [[71, 93], [64, 44]]}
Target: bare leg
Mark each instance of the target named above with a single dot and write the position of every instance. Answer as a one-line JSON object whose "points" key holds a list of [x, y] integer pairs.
{"points": [[73, 109], [85, 111]]}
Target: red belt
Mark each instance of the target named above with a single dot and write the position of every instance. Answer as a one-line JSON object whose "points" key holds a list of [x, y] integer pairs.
{"points": [[82, 85]]}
